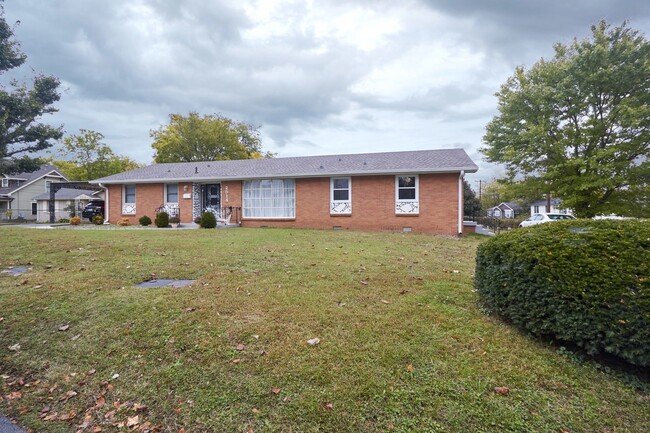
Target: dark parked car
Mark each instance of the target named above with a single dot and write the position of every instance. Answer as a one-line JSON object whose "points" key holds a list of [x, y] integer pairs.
{"points": [[95, 207]]}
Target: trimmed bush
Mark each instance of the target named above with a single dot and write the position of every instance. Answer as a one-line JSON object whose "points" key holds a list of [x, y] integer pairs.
{"points": [[98, 219], [75, 221], [583, 281], [208, 220], [162, 220], [144, 221], [124, 222]]}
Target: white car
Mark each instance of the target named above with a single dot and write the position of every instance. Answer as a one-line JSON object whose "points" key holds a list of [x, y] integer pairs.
{"points": [[539, 218]]}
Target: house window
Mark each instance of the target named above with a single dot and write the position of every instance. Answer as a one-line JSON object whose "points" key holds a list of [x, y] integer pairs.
{"points": [[406, 195], [508, 213], [128, 205], [5, 183], [497, 213], [536, 209], [34, 208], [269, 198], [48, 186], [340, 196], [171, 193]]}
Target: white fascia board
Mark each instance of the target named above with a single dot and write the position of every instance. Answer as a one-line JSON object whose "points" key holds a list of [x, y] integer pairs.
{"points": [[287, 176]]}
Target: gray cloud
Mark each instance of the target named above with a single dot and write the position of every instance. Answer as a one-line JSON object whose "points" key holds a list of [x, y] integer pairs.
{"points": [[335, 76]]}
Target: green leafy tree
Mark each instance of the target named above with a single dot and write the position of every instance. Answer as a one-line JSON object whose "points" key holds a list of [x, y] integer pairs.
{"points": [[21, 108], [205, 138], [471, 205], [578, 126], [88, 157]]}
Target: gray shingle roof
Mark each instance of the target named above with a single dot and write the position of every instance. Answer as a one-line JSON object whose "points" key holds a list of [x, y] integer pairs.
{"points": [[421, 161], [29, 177]]}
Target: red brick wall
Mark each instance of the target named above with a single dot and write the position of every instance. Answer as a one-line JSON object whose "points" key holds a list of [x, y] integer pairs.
{"points": [[373, 206]]}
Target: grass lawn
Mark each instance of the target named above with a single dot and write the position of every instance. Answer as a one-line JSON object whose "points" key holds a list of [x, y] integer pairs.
{"points": [[403, 345]]}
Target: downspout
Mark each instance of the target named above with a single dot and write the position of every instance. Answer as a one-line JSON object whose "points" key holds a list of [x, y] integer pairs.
{"points": [[460, 202], [106, 206]]}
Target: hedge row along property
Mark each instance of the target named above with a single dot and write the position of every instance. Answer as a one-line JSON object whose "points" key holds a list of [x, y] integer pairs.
{"points": [[394, 191], [587, 282]]}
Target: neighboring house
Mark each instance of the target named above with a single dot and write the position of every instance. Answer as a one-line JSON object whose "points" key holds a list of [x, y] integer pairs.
{"points": [[393, 191], [17, 191], [556, 207], [65, 201], [505, 210]]}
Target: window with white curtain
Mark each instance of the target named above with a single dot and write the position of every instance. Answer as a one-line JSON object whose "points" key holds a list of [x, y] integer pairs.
{"points": [[269, 198]]}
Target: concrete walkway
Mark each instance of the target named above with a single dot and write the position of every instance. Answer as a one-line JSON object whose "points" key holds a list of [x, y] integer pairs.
{"points": [[7, 426]]}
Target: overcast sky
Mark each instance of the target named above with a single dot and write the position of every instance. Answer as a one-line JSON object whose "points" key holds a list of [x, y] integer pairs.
{"points": [[319, 77]]}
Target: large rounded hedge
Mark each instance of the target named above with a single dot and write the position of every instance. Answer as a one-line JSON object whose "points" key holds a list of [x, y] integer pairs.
{"points": [[582, 281]]}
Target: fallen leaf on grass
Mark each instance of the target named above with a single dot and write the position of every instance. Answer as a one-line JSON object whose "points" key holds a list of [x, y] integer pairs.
{"points": [[75, 337], [132, 420], [329, 406], [68, 395], [313, 341], [97, 429], [14, 395], [364, 282], [64, 328], [410, 368], [15, 347], [502, 390], [385, 301], [236, 361], [240, 347], [276, 391], [67, 416], [255, 410]]}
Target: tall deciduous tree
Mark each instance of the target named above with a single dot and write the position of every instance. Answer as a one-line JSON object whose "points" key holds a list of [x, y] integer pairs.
{"points": [[578, 126], [89, 158], [205, 138], [22, 107]]}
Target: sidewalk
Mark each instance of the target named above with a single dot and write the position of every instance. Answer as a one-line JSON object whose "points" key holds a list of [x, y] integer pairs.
{"points": [[7, 426]]}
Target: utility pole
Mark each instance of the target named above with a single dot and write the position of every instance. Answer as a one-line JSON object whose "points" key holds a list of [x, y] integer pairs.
{"points": [[480, 187]]}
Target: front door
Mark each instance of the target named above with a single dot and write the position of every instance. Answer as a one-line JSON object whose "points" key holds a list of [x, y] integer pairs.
{"points": [[212, 198]]}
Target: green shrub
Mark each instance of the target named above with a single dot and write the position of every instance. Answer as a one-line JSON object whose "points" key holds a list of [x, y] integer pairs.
{"points": [[208, 220], [582, 281], [162, 220], [144, 221]]}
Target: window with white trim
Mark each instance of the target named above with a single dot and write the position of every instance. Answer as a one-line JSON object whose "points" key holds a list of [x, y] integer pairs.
{"points": [[48, 185], [269, 198], [5, 182], [536, 209], [340, 195], [171, 193], [34, 208], [407, 195], [128, 203]]}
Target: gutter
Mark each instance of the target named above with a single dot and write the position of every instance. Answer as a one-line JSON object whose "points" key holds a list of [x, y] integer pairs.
{"points": [[460, 202], [106, 204], [220, 178]]}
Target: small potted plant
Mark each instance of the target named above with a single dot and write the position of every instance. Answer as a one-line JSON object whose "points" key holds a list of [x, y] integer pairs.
{"points": [[174, 221]]}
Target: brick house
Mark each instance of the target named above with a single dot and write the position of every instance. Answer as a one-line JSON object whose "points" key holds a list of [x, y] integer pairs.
{"points": [[418, 191]]}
